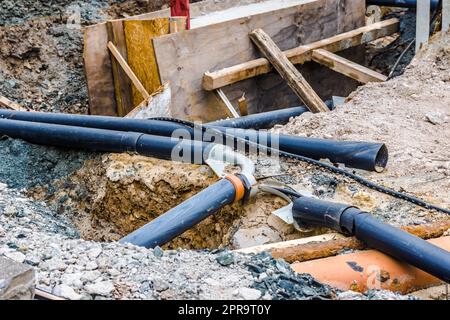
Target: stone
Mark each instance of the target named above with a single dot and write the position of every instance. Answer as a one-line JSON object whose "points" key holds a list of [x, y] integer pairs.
{"points": [[16, 256], [225, 258], [102, 288], [90, 276], [436, 118], [245, 238], [72, 279], [249, 293], [54, 264], [32, 260], [158, 252], [16, 280], [66, 292], [94, 253], [91, 265], [160, 285]]}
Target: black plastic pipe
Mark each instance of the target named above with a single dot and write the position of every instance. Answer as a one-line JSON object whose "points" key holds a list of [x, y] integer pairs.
{"points": [[360, 155], [400, 3], [375, 233], [355, 154], [184, 216], [102, 140], [265, 120]]}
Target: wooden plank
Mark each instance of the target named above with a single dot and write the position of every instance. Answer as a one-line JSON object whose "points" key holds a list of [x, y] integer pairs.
{"points": [[177, 24], [97, 61], [184, 57], [122, 83], [6, 103], [317, 249], [445, 16], [97, 66], [347, 67], [141, 56], [291, 243], [288, 72], [126, 68], [301, 54], [243, 106], [422, 23], [229, 109]]}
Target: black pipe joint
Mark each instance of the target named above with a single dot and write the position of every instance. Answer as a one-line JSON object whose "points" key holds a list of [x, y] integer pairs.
{"points": [[312, 212]]}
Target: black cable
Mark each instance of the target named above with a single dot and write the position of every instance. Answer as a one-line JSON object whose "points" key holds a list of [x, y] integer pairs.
{"points": [[325, 166]]}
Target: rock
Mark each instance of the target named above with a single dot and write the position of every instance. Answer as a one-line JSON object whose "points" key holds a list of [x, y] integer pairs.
{"points": [[283, 267], [17, 280], [350, 295], [90, 276], [436, 118], [158, 252], [54, 264], [102, 288], [72, 279], [244, 238], [16, 256], [94, 253], [160, 285], [66, 292], [225, 258], [32, 260], [91, 265], [249, 293]]}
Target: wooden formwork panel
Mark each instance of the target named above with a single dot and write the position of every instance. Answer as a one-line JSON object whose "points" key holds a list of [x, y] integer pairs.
{"points": [[183, 58]]}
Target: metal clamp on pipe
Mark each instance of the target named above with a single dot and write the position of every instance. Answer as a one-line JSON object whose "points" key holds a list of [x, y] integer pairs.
{"points": [[218, 156], [229, 189]]}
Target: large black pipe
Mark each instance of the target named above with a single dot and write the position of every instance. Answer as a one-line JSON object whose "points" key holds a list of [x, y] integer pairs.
{"points": [[400, 3], [361, 155], [375, 233], [265, 120], [102, 140], [184, 216]]}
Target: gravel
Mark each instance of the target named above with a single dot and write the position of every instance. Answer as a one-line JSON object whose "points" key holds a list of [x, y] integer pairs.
{"points": [[74, 268]]}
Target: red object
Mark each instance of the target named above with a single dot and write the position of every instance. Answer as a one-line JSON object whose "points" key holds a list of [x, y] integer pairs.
{"points": [[180, 8]]}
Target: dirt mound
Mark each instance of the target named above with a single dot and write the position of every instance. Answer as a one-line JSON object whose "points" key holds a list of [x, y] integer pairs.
{"points": [[411, 115], [41, 43]]}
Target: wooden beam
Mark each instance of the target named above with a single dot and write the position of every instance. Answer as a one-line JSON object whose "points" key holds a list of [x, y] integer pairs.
{"points": [[97, 68], [243, 106], [445, 16], [128, 70], [301, 54], [122, 83], [141, 55], [270, 247], [229, 107], [6, 103], [288, 71], [317, 249], [422, 23], [347, 67]]}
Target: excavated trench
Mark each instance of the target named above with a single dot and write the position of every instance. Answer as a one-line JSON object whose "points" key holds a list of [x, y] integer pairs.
{"points": [[114, 194], [109, 196]]}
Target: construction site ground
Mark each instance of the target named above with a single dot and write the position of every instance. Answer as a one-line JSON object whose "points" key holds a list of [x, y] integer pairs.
{"points": [[61, 210]]}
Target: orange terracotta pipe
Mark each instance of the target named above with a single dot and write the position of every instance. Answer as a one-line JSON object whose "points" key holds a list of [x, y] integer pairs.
{"points": [[370, 269]]}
